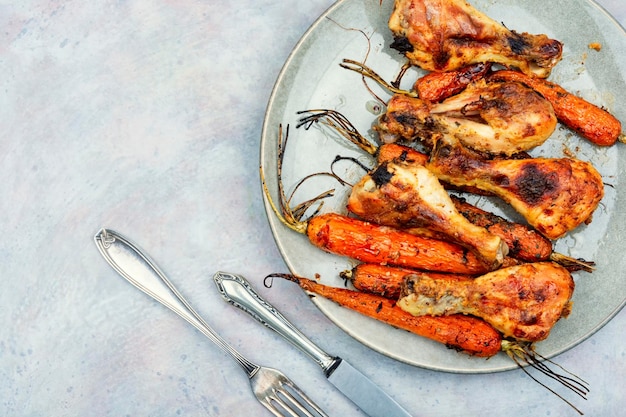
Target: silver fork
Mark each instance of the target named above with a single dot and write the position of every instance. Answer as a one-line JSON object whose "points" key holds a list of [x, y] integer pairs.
{"points": [[271, 387]]}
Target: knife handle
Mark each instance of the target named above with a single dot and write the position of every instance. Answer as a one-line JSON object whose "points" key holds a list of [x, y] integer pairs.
{"points": [[237, 291]]}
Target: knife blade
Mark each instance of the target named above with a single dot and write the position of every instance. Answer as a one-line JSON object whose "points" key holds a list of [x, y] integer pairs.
{"points": [[368, 396]]}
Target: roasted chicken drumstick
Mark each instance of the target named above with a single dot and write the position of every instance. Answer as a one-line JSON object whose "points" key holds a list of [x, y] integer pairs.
{"points": [[405, 195], [442, 35], [523, 301], [498, 118], [592, 122], [555, 195]]}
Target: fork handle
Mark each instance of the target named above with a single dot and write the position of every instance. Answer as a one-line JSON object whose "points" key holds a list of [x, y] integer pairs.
{"points": [[138, 269], [237, 291]]}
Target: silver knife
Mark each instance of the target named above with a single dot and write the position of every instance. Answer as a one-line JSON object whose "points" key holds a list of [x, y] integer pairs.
{"points": [[369, 397]]}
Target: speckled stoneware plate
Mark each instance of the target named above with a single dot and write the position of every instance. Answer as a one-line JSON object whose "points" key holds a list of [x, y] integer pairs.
{"points": [[357, 29]]}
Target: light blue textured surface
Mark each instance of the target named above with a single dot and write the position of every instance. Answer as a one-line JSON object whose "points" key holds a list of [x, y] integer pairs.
{"points": [[145, 117]]}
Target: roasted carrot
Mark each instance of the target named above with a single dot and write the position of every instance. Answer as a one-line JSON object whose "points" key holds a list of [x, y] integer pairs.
{"points": [[464, 333], [437, 86], [432, 87], [589, 120], [394, 151], [386, 281], [371, 243], [524, 242]]}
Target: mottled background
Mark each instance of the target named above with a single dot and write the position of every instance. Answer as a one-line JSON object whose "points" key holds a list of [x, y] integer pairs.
{"points": [[145, 116]]}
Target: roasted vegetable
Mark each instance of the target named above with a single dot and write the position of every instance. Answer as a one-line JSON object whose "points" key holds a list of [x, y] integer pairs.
{"points": [[432, 87], [372, 243], [437, 86], [385, 280], [468, 334]]}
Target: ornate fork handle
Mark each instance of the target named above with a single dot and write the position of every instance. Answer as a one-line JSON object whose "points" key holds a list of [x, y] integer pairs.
{"points": [[138, 269]]}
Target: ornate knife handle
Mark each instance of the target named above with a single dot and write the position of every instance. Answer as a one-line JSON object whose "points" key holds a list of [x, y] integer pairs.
{"points": [[237, 291]]}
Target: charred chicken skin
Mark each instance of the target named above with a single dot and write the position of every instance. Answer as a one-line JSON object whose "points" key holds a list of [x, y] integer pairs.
{"points": [[498, 118], [523, 301], [555, 195], [443, 35], [590, 121], [409, 195]]}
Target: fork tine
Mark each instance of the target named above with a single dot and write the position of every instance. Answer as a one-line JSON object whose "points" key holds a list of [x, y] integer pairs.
{"points": [[292, 396], [281, 396], [288, 402], [289, 412], [280, 408], [267, 403]]}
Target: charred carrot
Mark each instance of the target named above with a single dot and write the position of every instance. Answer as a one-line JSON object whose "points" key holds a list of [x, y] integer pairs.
{"points": [[395, 152], [465, 333], [524, 242], [386, 281], [589, 120], [432, 87], [371, 243], [437, 86]]}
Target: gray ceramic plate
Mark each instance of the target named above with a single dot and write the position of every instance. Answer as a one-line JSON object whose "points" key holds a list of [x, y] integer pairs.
{"points": [[356, 29]]}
